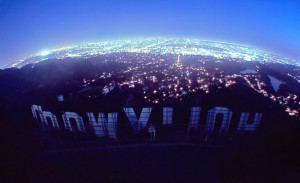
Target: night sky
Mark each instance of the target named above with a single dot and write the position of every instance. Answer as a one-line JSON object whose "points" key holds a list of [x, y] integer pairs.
{"points": [[30, 26]]}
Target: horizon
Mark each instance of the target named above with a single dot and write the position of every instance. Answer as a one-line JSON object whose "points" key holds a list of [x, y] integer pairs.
{"points": [[44, 53]]}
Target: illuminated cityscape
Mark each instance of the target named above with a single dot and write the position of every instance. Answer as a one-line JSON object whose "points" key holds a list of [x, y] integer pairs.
{"points": [[179, 46], [145, 91], [163, 71]]}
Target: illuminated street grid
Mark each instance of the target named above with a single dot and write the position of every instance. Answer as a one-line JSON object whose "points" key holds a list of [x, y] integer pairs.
{"points": [[220, 50]]}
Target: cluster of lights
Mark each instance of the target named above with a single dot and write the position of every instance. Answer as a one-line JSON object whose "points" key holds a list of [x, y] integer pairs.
{"points": [[219, 50], [290, 102]]}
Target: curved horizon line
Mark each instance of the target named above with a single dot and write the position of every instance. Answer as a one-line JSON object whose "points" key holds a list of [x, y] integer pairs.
{"points": [[199, 39]]}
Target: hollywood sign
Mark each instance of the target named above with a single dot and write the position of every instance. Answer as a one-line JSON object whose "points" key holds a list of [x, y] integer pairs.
{"points": [[105, 125]]}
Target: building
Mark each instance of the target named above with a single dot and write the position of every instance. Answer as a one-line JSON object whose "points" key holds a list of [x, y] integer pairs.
{"points": [[179, 61]]}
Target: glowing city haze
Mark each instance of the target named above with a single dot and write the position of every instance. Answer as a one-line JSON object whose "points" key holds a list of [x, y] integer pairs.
{"points": [[178, 46]]}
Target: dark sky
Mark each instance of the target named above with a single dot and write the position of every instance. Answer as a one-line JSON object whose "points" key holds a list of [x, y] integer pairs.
{"points": [[29, 26]]}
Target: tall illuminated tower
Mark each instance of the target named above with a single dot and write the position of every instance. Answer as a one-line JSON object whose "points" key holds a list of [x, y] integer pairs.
{"points": [[178, 60]]}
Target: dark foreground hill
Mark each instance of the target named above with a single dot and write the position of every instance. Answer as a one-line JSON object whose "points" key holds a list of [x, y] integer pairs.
{"points": [[30, 154]]}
